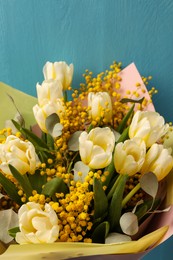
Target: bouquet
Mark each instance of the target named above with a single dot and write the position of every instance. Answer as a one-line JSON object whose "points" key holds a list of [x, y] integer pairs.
{"points": [[84, 171]]}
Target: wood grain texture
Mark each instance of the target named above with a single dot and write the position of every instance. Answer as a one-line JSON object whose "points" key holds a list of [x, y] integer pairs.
{"points": [[90, 34]]}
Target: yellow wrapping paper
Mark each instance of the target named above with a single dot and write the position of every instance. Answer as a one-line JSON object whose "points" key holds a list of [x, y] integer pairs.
{"points": [[23, 102]]}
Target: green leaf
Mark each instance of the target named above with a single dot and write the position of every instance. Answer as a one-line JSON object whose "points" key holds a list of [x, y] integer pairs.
{"points": [[123, 123], [100, 200], [12, 232], [20, 117], [23, 180], [114, 186], [111, 169], [115, 208], [100, 232], [124, 136], [37, 180], [53, 186], [50, 141], [126, 100], [34, 139], [10, 189], [42, 149]]}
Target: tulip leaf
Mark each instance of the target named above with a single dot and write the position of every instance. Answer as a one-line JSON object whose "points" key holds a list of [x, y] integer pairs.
{"points": [[48, 139], [126, 100], [23, 180], [111, 169], [12, 232], [100, 232], [123, 123], [19, 116], [53, 125], [37, 180], [73, 143], [129, 223], [56, 185], [10, 189], [115, 208], [35, 140], [149, 183], [124, 136], [100, 199], [42, 149]]}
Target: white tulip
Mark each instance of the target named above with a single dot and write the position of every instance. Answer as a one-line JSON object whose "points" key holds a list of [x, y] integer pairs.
{"points": [[100, 104], [49, 91], [37, 225], [19, 154], [129, 156], [60, 71], [42, 112], [96, 147], [149, 126], [158, 160]]}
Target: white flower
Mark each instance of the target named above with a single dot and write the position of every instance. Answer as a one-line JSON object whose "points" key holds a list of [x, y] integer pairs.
{"points": [[49, 91], [149, 126], [158, 160], [59, 71], [100, 104], [19, 154], [96, 147], [129, 156], [42, 112], [37, 225]]}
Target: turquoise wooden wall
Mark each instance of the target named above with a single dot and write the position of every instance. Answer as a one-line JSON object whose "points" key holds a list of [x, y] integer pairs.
{"points": [[90, 34]]}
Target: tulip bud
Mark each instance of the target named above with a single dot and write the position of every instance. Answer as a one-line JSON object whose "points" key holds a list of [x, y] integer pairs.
{"points": [[19, 154], [96, 147], [59, 71], [101, 105], [129, 156], [49, 91], [158, 160], [36, 225], [41, 113], [149, 126]]}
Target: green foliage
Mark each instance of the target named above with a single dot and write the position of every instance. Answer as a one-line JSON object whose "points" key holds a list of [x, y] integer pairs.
{"points": [[115, 207], [12, 232], [42, 148], [100, 232], [23, 180], [55, 185], [123, 123], [10, 189], [100, 200]]}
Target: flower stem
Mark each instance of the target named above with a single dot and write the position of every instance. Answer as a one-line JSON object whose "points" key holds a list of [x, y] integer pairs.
{"points": [[65, 96], [130, 194], [114, 187]]}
